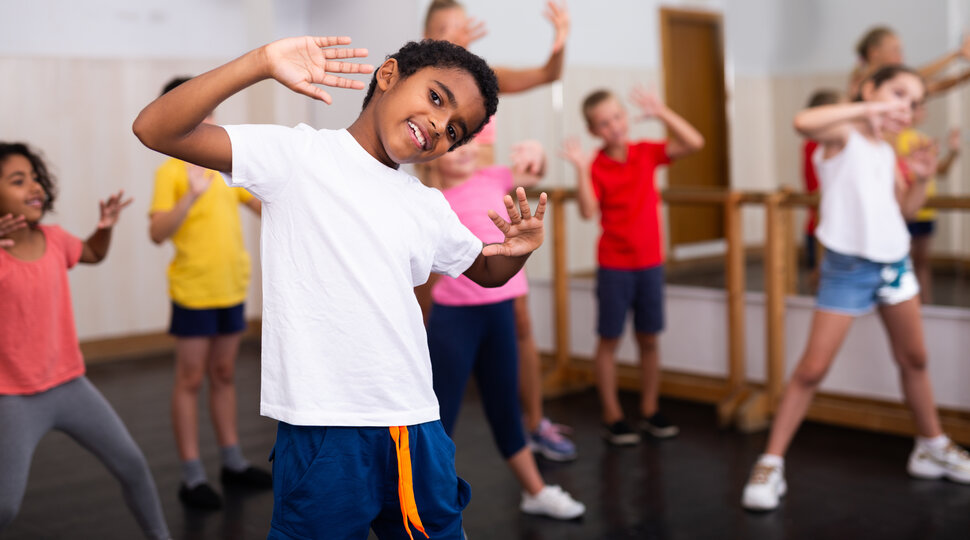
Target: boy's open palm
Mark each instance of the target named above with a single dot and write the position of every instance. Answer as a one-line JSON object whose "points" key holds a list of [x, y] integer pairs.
{"points": [[648, 102], [300, 63], [524, 230]]}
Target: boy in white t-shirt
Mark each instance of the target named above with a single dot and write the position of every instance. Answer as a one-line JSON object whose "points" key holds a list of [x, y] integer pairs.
{"points": [[345, 237]]}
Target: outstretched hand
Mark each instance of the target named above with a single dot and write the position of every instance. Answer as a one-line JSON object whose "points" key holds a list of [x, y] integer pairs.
{"points": [[8, 224], [199, 182], [889, 115], [465, 34], [922, 160], [528, 157], [300, 63], [558, 14], [648, 102], [523, 232], [572, 151], [111, 209], [953, 140]]}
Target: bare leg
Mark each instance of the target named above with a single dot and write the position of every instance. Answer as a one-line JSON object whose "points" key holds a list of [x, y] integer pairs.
{"points": [[222, 387], [826, 336], [606, 379], [649, 373], [905, 329], [920, 254], [190, 364], [523, 465], [530, 366]]}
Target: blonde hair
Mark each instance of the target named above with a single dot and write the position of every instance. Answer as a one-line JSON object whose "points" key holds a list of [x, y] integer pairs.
{"points": [[439, 5], [871, 39], [594, 99]]}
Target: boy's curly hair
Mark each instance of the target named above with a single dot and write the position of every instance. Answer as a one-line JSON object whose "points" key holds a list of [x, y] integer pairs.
{"points": [[416, 55], [44, 177]]}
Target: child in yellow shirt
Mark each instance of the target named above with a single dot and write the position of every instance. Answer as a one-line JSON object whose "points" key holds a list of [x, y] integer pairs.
{"points": [[208, 278]]}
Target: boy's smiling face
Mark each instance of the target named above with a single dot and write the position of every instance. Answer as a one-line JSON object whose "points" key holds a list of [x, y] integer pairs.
{"points": [[420, 117]]}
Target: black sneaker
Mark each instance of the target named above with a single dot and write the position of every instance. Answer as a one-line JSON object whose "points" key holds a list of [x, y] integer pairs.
{"points": [[619, 434], [201, 496], [658, 426], [250, 477]]}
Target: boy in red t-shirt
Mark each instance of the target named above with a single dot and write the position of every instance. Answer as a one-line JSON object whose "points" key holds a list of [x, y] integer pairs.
{"points": [[618, 181]]}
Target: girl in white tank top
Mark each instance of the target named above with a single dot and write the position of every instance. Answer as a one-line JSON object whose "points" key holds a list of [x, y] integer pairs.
{"points": [[864, 201]]}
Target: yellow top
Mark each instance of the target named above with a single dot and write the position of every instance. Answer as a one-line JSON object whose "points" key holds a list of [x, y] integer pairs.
{"points": [[211, 267], [905, 142]]}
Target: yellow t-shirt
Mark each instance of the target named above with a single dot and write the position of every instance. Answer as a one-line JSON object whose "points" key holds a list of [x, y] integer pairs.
{"points": [[211, 266], [905, 142]]}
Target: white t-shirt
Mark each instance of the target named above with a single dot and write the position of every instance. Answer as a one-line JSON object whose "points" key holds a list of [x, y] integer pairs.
{"points": [[859, 212], [344, 241]]}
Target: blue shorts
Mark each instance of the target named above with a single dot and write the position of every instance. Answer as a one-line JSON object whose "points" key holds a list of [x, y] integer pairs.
{"points": [[921, 228], [853, 285], [206, 322], [619, 291], [340, 482]]}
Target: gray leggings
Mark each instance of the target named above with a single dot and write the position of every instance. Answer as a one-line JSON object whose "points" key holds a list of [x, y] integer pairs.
{"points": [[79, 410]]}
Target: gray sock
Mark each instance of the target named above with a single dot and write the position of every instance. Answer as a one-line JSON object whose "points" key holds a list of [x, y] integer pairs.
{"points": [[232, 458], [193, 473]]}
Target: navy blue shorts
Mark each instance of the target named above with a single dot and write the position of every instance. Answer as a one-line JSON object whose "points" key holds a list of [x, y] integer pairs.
{"points": [[340, 482], [206, 322], [619, 291], [921, 228]]}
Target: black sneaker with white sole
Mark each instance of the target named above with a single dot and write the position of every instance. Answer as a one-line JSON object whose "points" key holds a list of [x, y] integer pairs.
{"points": [[658, 427], [619, 433]]}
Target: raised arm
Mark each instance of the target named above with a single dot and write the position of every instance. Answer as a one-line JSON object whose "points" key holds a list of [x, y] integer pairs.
{"points": [[164, 223], [497, 263], [173, 123], [512, 80], [572, 151], [936, 66], [831, 124], [95, 248], [953, 151], [684, 138]]}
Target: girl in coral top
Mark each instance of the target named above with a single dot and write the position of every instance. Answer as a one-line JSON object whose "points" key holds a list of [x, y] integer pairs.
{"points": [[42, 382]]}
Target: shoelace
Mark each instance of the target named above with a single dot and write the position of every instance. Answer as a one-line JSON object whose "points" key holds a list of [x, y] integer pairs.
{"points": [[954, 449], [762, 473], [553, 432]]}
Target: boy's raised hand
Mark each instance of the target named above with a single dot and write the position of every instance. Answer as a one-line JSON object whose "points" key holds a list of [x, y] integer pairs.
{"points": [[558, 15], [8, 224], [199, 183], [648, 102], [572, 151], [300, 63], [524, 232], [111, 209]]}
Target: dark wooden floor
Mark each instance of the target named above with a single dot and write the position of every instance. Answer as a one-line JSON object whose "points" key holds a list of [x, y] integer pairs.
{"points": [[843, 483]]}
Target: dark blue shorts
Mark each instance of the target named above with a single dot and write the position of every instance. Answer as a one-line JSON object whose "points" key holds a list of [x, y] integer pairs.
{"points": [[921, 228], [619, 291], [340, 482], [206, 322]]}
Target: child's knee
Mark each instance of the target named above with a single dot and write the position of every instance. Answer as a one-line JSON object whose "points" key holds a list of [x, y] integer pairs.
{"points": [[913, 360]]}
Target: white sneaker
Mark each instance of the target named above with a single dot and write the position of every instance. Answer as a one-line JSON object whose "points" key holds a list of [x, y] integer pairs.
{"points": [[765, 486], [951, 462], [553, 502]]}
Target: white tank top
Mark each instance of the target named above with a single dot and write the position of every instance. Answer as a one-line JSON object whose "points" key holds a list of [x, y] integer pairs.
{"points": [[859, 212]]}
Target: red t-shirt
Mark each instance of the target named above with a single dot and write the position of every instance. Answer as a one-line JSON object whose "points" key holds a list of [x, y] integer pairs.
{"points": [[811, 181], [630, 207], [38, 340]]}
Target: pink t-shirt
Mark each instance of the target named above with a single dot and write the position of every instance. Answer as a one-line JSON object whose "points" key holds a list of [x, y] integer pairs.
{"points": [[471, 201], [38, 340]]}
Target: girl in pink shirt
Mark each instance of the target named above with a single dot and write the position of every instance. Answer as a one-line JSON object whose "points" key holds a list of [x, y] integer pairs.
{"points": [[471, 329], [42, 382]]}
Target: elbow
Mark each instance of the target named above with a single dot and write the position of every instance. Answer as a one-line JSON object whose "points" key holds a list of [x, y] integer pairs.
{"points": [[799, 125], [142, 130], [698, 144]]}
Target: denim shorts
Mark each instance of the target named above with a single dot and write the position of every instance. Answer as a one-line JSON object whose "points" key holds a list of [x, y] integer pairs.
{"points": [[620, 291], [854, 285]]}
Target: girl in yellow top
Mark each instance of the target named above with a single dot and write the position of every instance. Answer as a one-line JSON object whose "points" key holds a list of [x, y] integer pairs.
{"points": [[208, 278], [923, 225]]}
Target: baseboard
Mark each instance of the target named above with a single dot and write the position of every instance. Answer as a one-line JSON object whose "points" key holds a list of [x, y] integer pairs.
{"points": [[835, 409]]}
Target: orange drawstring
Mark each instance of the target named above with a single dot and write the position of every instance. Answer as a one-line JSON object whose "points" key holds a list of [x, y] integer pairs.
{"points": [[405, 485]]}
